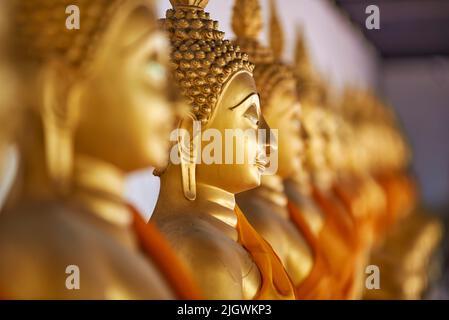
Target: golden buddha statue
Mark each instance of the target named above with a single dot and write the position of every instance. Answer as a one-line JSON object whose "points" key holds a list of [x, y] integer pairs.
{"points": [[196, 209], [347, 196], [313, 204], [97, 107], [389, 157], [364, 199], [266, 206], [362, 196], [405, 257], [408, 235]]}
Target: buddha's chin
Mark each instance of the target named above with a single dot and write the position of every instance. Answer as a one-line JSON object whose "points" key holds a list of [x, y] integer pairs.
{"points": [[157, 150], [157, 157], [160, 161]]}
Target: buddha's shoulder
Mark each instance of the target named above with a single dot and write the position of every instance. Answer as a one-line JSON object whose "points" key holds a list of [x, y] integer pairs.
{"points": [[42, 230], [189, 230], [202, 237], [39, 220], [36, 221], [38, 239], [52, 239], [211, 253]]}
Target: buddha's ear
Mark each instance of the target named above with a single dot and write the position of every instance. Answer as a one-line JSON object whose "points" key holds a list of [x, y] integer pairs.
{"points": [[59, 114], [188, 146]]}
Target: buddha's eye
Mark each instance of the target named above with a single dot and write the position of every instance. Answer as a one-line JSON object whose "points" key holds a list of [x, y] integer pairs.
{"points": [[156, 73], [252, 115]]}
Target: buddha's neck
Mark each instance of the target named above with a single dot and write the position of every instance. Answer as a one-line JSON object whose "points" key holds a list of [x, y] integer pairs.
{"points": [[94, 184], [217, 202], [99, 186], [210, 200]]}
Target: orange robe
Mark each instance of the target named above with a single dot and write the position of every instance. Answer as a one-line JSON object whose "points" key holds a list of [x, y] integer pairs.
{"points": [[276, 284], [160, 252], [352, 196], [338, 241], [318, 284]]}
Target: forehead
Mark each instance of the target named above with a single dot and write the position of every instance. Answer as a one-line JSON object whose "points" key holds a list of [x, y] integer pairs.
{"points": [[239, 87], [135, 26]]}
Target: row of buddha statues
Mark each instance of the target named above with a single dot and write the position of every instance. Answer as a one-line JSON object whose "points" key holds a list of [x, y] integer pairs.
{"points": [[85, 107]]}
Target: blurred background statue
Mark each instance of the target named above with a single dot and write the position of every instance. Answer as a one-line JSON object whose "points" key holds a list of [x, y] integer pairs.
{"points": [[96, 106], [407, 234], [324, 219], [266, 206]]}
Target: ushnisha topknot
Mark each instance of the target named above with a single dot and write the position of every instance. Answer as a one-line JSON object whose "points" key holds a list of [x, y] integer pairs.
{"points": [[269, 71], [202, 59], [41, 31]]}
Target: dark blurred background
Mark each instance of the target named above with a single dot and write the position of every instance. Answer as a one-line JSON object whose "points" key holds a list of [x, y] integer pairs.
{"points": [[413, 43]]}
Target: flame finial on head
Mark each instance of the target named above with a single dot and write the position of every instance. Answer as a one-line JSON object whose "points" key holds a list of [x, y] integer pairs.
{"points": [[270, 73], [247, 19], [276, 32], [302, 57], [247, 25]]}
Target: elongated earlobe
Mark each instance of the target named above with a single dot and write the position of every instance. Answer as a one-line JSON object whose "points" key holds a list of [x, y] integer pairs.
{"points": [[59, 118], [187, 146]]}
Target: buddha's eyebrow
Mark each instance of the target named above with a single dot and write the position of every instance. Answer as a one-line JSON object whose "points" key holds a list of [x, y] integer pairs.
{"points": [[131, 45], [244, 100]]}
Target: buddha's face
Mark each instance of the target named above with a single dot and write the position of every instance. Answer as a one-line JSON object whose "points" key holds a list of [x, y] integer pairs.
{"points": [[125, 113], [283, 113], [332, 140], [238, 108], [314, 141]]}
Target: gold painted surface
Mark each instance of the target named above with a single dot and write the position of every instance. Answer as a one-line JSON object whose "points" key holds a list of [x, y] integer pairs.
{"points": [[196, 205], [97, 107], [266, 206]]}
